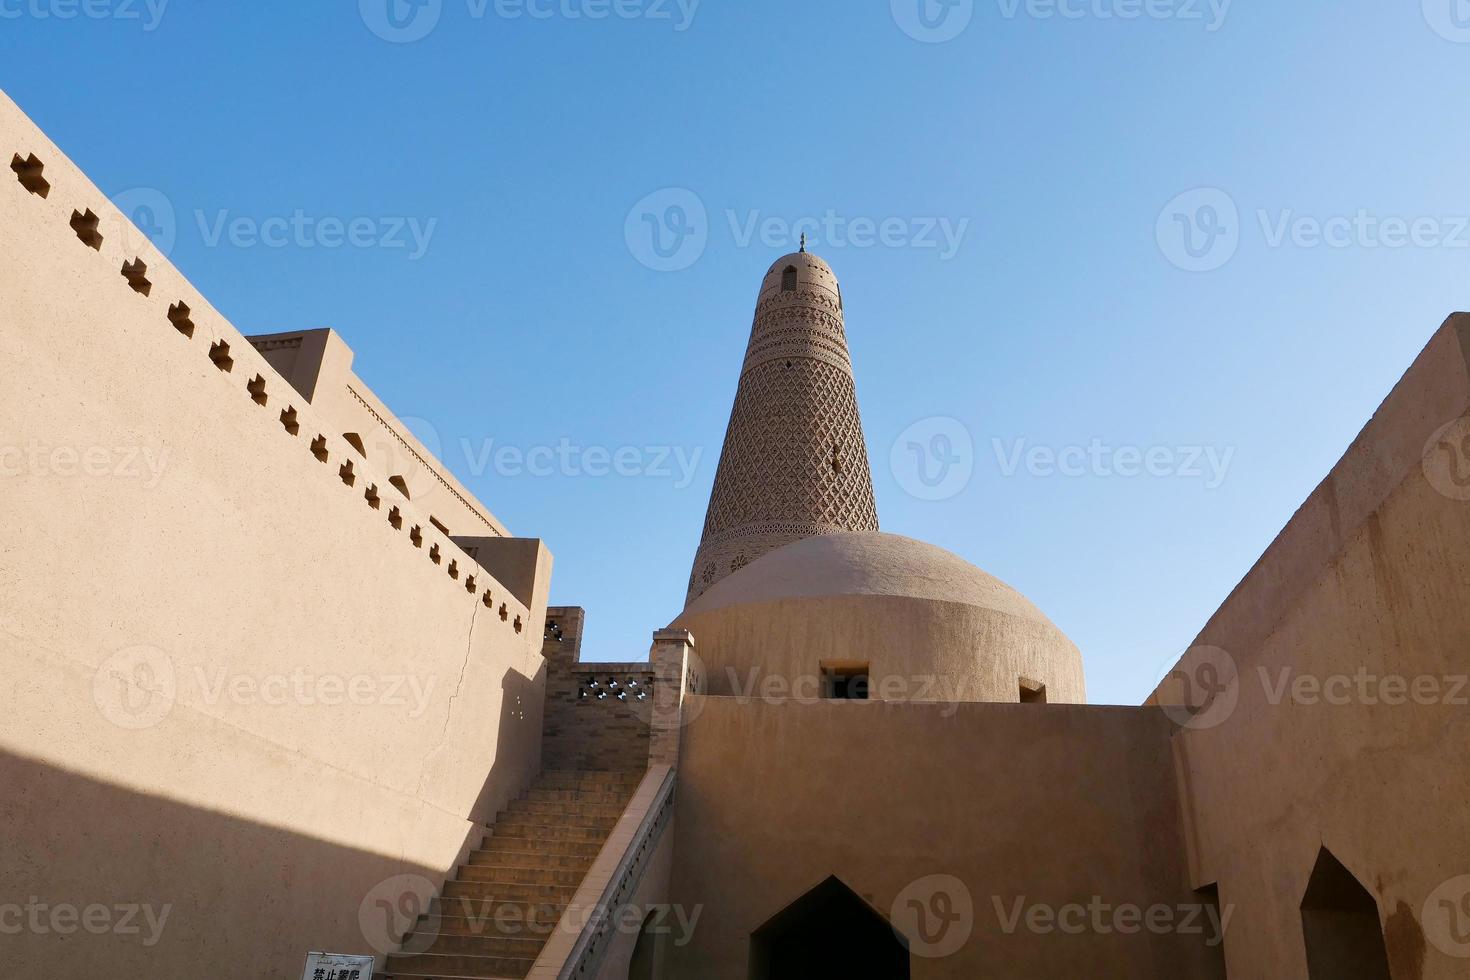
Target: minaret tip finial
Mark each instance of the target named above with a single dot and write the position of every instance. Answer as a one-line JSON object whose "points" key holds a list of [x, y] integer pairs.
{"points": [[803, 242]]}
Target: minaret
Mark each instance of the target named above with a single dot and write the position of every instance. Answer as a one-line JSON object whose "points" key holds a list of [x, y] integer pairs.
{"points": [[795, 464]]}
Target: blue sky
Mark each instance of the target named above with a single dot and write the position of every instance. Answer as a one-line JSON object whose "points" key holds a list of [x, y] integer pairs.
{"points": [[1205, 232]]}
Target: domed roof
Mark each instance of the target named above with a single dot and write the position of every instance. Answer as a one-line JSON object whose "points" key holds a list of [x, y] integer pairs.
{"points": [[865, 563], [810, 270]]}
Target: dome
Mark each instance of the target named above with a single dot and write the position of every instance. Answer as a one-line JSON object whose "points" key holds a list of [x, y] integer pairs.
{"points": [[913, 616], [811, 270]]}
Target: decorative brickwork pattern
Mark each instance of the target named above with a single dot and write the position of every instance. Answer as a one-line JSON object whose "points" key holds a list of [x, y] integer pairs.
{"points": [[795, 462], [597, 714]]}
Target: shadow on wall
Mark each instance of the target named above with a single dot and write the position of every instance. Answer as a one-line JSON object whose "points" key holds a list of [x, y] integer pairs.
{"points": [[100, 880]]}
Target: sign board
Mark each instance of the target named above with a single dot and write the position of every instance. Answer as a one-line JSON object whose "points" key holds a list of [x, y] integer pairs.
{"points": [[337, 966]]}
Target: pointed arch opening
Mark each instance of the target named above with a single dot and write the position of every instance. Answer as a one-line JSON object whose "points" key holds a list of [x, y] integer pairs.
{"points": [[1341, 925], [788, 280], [828, 932]]}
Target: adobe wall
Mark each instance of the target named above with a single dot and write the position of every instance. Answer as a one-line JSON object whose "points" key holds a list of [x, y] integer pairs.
{"points": [[585, 731], [247, 680], [1046, 806], [1342, 713]]}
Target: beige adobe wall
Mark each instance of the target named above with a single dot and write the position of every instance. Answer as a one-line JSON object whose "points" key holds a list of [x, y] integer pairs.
{"points": [[234, 688], [1046, 805], [1315, 742]]}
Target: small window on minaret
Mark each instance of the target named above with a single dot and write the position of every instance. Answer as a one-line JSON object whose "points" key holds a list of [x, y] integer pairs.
{"points": [[788, 280], [1032, 692]]}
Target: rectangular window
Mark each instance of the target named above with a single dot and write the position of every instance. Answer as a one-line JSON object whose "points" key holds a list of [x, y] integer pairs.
{"points": [[845, 681]]}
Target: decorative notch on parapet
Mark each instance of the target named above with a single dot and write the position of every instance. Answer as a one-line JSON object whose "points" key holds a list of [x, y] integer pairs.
{"points": [[289, 422], [28, 172], [219, 354], [595, 689], [85, 225], [256, 387], [136, 273], [178, 315]]}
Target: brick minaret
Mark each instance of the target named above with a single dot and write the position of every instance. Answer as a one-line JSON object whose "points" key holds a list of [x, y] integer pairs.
{"points": [[795, 463]]}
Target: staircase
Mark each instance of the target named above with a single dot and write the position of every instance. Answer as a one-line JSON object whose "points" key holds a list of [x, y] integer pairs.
{"points": [[492, 920]]}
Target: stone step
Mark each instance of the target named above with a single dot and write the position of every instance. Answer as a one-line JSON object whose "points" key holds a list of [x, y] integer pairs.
{"points": [[516, 827], [588, 780], [513, 923], [515, 875], [496, 843], [560, 808], [509, 891], [538, 858], [552, 818], [458, 965], [539, 794], [473, 909], [427, 937]]}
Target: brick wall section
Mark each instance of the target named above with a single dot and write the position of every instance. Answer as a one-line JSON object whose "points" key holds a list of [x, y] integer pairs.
{"points": [[587, 732]]}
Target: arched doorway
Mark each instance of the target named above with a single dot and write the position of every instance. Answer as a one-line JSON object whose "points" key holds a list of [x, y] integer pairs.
{"points": [[828, 932], [648, 954], [1340, 924]]}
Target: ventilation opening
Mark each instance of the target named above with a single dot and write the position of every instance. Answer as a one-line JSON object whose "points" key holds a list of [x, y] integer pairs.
{"points": [[788, 280], [219, 353], [319, 449], [504, 613], [288, 420], [355, 441], [28, 172], [371, 496], [442, 529], [416, 536], [845, 681], [401, 485], [454, 570], [1340, 925], [836, 462], [1032, 692], [395, 517], [256, 387], [469, 585], [435, 555], [178, 315], [345, 472], [828, 932], [518, 624], [488, 600], [85, 225], [136, 273]]}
